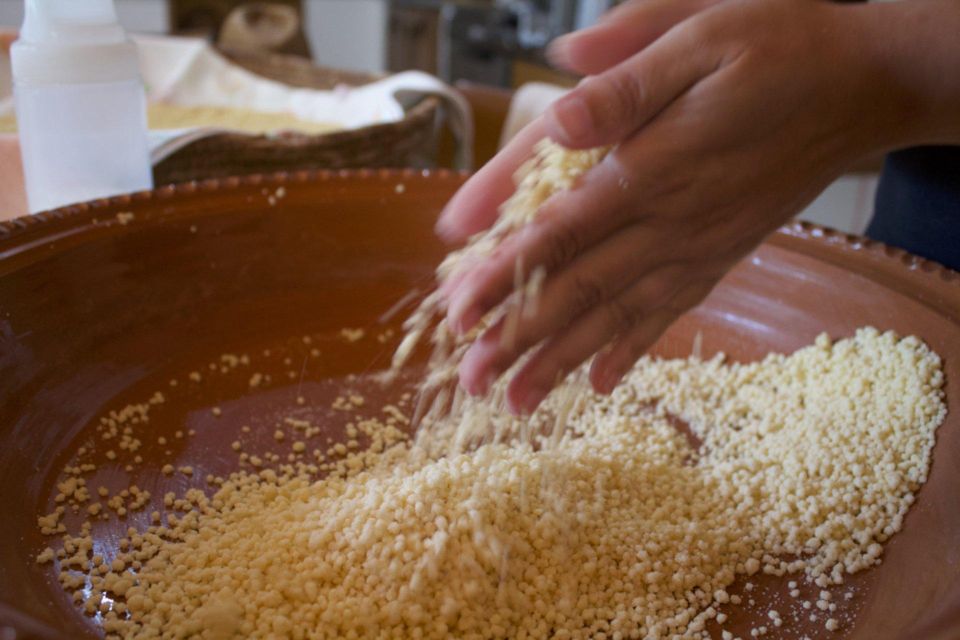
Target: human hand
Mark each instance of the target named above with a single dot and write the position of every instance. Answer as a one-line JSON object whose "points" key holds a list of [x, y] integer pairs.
{"points": [[729, 117]]}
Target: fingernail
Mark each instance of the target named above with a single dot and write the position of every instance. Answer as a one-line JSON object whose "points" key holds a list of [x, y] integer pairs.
{"points": [[446, 226], [608, 382], [572, 116], [444, 289], [477, 385], [461, 323], [463, 311], [468, 320], [449, 286], [487, 383], [558, 53], [458, 313]]}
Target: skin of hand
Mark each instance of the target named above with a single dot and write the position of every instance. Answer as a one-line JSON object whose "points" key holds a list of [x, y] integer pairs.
{"points": [[728, 118]]}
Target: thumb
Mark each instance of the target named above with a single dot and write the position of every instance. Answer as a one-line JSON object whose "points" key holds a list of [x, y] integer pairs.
{"points": [[607, 108], [620, 33]]}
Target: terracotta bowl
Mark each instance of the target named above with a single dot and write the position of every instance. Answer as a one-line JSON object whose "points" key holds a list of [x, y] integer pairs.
{"points": [[99, 308]]}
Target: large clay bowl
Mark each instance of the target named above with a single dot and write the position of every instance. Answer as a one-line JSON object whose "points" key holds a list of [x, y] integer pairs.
{"points": [[98, 310]]}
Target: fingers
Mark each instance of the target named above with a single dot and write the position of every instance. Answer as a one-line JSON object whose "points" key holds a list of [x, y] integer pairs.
{"points": [[599, 275], [611, 364], [620, 34], [475, 205], [608, 108], [570, 223], [643, 304], [625, 352]]}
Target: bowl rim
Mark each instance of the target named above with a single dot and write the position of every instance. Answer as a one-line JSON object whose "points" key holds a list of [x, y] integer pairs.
{"points": [[846, 250], [917, 278]]}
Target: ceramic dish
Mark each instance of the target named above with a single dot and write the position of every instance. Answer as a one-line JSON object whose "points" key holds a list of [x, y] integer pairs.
{"points": [[102, 304]]}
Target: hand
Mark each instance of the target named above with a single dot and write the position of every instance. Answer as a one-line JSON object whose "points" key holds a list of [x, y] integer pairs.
{"points": [[729, 118]]}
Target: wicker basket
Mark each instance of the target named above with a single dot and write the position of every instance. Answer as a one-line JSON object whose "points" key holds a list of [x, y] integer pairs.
{"points": [[411, 142]]}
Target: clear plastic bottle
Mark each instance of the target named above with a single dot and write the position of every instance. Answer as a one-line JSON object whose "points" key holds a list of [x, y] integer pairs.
{"points": [[81, 110]]}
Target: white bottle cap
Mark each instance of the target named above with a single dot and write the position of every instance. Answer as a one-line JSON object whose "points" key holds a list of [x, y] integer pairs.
{"points": [[72, 42]]}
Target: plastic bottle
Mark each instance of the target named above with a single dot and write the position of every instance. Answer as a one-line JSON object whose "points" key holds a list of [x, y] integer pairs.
{"points": [[81, 110]]}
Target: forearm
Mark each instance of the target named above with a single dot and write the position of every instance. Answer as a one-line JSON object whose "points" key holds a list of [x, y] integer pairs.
{"points": [[913, 50]]}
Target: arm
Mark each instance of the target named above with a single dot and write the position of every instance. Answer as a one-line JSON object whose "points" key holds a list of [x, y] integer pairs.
{"points": [[729, 117]]}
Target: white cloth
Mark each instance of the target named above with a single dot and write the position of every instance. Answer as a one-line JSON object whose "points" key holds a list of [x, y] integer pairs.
{"points": [[528, 102], [188, 72]]}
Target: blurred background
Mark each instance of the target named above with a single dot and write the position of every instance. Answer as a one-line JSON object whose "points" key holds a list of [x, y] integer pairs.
{"points": [[498, 42], [490, 51]]}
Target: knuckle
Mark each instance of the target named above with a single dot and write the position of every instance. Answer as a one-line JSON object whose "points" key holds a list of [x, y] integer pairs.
{"points": [[620, 318], [704, 28], [586, 292], [621, 97], [661, 289], [565, 244]]}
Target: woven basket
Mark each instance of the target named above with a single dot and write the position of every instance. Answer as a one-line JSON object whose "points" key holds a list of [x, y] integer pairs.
{"points": [[411, 142]]}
